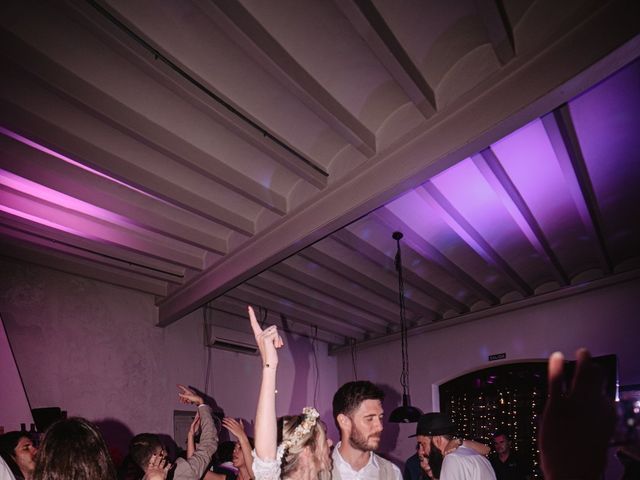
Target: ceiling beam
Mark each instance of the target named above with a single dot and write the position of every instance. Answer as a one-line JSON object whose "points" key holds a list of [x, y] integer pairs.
{"points": [[238, 23], [121, 115], [577, 60], [374, 254], [255, 296], [498, 28], [70, 144], [373, 28], [81, 267], [497, 177], [295, 292], [198, 92], [13, 230], [337, 286], [383, 282], [131, 205], [427, 250], [452, 217], [564, 140], [40, 211], [236, 319]]}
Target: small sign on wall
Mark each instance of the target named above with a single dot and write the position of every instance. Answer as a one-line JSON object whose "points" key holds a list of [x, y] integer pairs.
{"points": [[497, 356]]}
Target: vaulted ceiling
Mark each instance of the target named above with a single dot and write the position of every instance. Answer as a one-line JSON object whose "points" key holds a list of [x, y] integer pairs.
{"points": [[225, 152]]}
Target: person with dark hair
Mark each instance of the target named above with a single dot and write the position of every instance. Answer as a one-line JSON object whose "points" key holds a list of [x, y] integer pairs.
{"points": [[146, 447], [504, 461], [241, 455], [296, 446], [73, 448], [358, 413], [18, 452], [222, 466], [461, 461]]}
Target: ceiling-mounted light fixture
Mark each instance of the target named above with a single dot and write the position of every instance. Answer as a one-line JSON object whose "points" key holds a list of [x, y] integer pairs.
{"points": [[405, 413]]}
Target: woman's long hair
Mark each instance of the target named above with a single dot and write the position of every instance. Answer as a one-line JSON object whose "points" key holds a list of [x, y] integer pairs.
{"points": [[316, 441], [73, 448]]}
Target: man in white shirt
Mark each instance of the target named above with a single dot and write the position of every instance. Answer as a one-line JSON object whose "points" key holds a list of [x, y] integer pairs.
{"points": [[435, 430], [357, 410]]}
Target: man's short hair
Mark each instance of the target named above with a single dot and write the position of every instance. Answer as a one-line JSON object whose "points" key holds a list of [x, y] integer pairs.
{"points": [[503, 433], [142, 446], [350, 395]]}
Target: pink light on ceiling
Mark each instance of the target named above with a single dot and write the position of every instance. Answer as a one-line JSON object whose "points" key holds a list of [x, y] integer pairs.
{"points": [[48, 151], [27, 187]]}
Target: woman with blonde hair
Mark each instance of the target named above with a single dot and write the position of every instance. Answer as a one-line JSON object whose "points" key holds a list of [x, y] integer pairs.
{"points": [[297, 447]]}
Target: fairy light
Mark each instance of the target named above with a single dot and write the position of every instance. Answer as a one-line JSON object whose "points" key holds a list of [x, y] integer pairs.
{"points": [[509, 399]]}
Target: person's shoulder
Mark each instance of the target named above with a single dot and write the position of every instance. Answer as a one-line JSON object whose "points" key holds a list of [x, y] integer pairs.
{"points": [[387, 463]]}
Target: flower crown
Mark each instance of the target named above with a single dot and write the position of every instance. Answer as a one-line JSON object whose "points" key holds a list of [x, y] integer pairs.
{"points": [[309, 421]]}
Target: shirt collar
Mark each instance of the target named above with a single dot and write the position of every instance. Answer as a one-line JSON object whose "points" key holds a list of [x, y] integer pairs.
{"points": [[373, 459]]}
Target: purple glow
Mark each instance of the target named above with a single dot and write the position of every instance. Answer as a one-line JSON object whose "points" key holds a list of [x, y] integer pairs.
{"points": [[48, 151], [471, 195], [531, 163], [41, 192]]}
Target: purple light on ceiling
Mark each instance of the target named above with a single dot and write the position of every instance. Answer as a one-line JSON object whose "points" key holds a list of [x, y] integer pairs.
{"points": [[48, 151], [471, 195], [46, 194], [607, 119], [532, 165]]}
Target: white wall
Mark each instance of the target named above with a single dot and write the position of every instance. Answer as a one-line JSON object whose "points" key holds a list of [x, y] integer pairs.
{"points": [[15, 407], [93, 349], [604, 320]]}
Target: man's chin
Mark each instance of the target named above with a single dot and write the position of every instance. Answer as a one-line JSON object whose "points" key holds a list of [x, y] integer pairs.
{"points": [[373, 444]]}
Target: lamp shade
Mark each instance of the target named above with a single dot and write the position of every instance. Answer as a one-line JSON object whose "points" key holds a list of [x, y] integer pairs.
{"points": [[405, 413]]}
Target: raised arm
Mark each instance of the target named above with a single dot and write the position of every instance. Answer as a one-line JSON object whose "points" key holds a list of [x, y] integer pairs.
{"points": [[237, 428], [266, 429], [196, 465], [481, 448], [191, 435]]}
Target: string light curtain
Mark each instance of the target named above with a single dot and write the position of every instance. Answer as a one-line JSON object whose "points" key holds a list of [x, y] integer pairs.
{"points": [[508, 398]]}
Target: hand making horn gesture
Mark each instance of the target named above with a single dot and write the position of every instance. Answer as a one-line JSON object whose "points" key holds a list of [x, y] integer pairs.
{"points": [[268, 341]]}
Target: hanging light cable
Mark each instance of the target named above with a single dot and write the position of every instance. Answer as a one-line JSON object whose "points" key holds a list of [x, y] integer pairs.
{"points": [[405, 413]]}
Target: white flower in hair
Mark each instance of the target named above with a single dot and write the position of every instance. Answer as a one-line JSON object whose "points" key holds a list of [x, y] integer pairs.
{"points": [[310, 418]]}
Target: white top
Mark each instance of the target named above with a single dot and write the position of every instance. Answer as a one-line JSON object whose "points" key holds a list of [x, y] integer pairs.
{"points": [[5, 473], [268, 469], [377, 468], [466, 464]]}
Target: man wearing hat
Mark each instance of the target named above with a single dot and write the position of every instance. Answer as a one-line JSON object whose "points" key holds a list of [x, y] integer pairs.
{"points": [[436, 431]]}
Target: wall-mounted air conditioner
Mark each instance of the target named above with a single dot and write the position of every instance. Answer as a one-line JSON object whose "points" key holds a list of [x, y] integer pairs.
{"points": [[233, 340]]}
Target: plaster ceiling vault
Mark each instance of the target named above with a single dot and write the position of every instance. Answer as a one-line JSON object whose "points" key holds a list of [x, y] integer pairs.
{"points": [[225, 152]]}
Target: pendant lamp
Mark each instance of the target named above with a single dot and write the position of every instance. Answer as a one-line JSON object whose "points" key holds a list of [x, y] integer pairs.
{"points": [[405, 413]]}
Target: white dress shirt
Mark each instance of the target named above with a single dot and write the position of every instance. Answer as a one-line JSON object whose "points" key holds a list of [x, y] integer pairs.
{"points": [[466, 464], [377, 468]]}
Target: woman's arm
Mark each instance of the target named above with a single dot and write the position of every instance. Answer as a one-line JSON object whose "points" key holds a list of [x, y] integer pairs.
{"points": [[266, 429], [479, 447]]}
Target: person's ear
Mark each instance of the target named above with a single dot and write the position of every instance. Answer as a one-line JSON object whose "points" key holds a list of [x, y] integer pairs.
{"points": [[344, 421]]}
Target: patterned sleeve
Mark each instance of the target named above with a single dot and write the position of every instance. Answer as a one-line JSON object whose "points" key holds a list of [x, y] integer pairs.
{"points": [[267, 469]]}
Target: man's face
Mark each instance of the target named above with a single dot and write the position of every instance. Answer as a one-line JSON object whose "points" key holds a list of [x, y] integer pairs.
{"points": [[366, 425], [25, 454], [424, 445], [501, 444]]}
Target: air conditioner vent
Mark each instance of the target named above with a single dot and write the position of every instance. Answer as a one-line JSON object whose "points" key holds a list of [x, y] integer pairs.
{"points": [[233, 340]]}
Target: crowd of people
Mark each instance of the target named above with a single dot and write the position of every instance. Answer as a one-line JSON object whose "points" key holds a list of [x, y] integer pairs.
{"points": [[574, 432]]}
